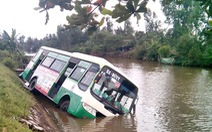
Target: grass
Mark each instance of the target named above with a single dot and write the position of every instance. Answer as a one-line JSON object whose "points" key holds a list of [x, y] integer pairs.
{"points": [[15, 102]]}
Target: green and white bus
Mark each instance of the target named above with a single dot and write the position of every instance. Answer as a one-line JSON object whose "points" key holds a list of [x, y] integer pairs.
{"points": [[85, 86]]}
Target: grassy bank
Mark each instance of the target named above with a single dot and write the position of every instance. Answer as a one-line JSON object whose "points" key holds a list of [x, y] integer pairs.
{"points": [[15, 101]]}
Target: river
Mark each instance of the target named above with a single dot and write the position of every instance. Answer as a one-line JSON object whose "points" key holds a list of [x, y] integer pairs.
{"points": [[171, 98]]}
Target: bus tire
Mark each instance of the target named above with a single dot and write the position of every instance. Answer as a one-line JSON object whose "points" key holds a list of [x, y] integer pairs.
{"points": [[64, 105], [32, 85]]}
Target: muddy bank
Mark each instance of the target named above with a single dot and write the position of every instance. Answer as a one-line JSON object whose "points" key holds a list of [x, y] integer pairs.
{"points": [[39, 120]]}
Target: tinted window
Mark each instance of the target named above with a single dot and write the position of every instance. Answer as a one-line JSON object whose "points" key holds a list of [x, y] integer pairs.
{"points": [[88, 78], [58, 65], [69, 69], [48, 61], [76, 75]]}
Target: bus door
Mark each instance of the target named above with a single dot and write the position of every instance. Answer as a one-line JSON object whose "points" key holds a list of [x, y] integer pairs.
{"points": [[71, 65], [33, 64]]}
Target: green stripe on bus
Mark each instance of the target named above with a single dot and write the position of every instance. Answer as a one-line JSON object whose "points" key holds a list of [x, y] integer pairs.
{"points": [[75, 107], [25, 73]]}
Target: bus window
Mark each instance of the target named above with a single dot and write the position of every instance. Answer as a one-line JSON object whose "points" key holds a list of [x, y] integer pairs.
{"points": [[89, 76], [87, 79], [58, 65], [78, 72], [48, 61], [123, 103], [69, 69]]}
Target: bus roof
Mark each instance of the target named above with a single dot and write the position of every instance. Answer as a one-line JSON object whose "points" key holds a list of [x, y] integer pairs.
{"points": [[57, 50]]}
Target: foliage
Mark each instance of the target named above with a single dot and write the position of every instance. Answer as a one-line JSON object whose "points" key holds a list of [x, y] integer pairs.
{"points": [[164, 51], [148, 45], [8, 42], [184, 41], [13, 60], [207, 5], [86, 11], [10, 53], [101, 42], [207, 54], [12, 105], [188, 51], [9, 63]]}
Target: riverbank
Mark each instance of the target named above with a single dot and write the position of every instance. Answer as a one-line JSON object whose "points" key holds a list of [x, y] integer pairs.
{"points": [[19, 110]]}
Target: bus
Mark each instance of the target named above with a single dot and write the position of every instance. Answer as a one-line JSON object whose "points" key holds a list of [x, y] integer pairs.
{"points": [[83, 85]]}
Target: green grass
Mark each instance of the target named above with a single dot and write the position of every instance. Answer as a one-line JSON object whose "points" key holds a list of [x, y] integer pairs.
{"points": [[15, 101]]}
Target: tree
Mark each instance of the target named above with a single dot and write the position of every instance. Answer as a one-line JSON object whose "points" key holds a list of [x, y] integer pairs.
{"points": [[70, 37], [9, 42], [109, 26], [152, 23], [86, 11], [128, 29]]}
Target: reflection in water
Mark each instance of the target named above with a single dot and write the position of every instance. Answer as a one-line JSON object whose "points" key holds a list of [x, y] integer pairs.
{"points": [[171, 98]]}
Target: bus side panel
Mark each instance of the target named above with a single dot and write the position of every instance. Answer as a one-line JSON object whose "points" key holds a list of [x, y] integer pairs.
{"points": [[70, 88], [75, 107], [46, 79], [74, 99]]}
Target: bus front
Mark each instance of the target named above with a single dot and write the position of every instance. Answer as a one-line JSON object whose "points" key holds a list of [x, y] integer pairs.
{"points": [[115, 92]]}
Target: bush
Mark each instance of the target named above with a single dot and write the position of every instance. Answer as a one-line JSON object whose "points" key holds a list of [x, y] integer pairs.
{"points": [[13, 59], [164, 51], [140, 52], [195, 56], [10, 63]]}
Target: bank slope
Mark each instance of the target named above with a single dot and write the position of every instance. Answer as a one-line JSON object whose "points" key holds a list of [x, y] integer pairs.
{"points": [[15, 101]]}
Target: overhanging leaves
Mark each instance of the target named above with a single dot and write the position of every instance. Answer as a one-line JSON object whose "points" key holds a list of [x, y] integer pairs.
{"points": [[121, 12], [130, 6], [86, 10], [105, 11], [142, 7]]}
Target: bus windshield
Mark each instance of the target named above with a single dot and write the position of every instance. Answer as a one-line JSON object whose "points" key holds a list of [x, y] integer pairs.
{"points": [[116, 92]]}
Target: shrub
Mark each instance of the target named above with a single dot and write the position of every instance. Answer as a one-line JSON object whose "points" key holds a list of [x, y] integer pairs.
{"points": [[140, 52], [10, 63], [164, 51]]}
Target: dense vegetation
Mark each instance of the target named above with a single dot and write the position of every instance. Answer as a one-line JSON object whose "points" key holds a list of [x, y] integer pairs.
{"points": [[188, 38], [14, 102]]}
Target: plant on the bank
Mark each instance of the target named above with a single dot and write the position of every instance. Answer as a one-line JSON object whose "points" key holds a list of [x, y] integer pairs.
{"points": [[14, 101]]}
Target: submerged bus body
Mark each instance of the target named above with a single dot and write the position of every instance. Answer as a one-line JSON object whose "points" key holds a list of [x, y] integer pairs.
{"points": [[83, 85]]}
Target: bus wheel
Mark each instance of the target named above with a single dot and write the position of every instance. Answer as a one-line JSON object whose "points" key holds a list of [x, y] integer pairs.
{"points": [[64, 105], [32, 85]]}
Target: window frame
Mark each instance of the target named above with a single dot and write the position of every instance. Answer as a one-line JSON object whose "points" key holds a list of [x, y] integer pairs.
{"points": [[55, 69], [49, 65], [94, 68], [75, 71]]}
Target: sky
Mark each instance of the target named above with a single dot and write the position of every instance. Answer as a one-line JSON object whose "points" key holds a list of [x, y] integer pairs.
{"points": [[20, 15]]}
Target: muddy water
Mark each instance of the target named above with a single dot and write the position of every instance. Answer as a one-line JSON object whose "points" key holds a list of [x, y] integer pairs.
{"points": [[171, 98]]}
